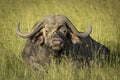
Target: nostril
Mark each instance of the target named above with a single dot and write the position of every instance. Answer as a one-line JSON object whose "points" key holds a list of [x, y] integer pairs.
{"points": [[57, 41]]}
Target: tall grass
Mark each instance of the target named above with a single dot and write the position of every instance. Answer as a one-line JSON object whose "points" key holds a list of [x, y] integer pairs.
{"points": [[103, 15]]}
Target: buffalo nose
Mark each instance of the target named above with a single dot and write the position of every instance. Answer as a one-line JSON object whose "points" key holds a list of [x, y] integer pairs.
{"points": [[57, 41]]}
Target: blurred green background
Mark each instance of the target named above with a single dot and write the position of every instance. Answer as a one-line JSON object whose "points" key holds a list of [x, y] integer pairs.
{"points": [[103, 15]]}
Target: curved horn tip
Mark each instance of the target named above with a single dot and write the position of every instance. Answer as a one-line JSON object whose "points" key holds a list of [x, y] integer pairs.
{"points": [[85, 34], [19, 32], [18, 26], [89, 28]]}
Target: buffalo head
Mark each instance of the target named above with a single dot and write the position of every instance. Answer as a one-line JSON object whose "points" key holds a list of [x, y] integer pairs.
{"points": [[54, 31]]}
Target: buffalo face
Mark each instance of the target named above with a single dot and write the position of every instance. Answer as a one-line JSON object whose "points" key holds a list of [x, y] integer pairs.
{"points": [[55, 35]]}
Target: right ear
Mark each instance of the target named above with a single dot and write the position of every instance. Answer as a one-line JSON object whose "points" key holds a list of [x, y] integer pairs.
{"points": [[74, 38], [38, 38]]}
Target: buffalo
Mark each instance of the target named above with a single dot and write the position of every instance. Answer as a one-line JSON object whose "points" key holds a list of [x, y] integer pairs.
{"points": [[54, 36]]}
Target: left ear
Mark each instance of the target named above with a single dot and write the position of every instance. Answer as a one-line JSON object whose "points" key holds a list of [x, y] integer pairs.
{"points": [[38, 38], [74, 38]]}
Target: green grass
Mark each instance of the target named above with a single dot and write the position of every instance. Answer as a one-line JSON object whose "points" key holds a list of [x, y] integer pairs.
{"points": [[103, 15]]}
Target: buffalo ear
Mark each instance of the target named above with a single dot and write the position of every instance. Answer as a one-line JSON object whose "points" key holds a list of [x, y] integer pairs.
{"points": [[38, 38], [74, 38]]}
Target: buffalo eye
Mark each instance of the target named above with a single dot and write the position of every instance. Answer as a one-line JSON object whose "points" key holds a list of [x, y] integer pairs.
{"points": [[63, 30]]}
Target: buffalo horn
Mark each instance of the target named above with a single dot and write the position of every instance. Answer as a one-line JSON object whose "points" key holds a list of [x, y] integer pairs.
{"points": [[74, 30], [35, 29]]}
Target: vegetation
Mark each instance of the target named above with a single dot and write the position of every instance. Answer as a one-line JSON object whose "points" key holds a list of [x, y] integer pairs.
{"points": [[103, 15]]}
